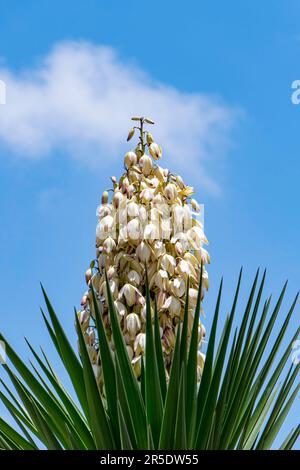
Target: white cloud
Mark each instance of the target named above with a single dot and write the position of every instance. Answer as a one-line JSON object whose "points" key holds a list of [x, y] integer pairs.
{"points": [[80, 97]]}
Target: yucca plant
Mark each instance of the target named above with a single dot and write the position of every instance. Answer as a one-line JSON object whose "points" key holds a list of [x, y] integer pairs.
{"points": [[140, 378]]}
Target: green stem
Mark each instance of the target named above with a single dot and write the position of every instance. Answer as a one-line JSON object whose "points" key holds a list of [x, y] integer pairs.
{"points": [[142, 135]]}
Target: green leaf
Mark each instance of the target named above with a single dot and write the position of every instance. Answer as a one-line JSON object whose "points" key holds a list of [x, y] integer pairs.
{"points": [[237, 371], [290, 440], [135, 399], [282, 396], [267, 439], [97, 416], [154, 405], [51, 405], [166, 440], [123, 400], [47, 434], [159, 354], [125, 438], [11, 433], [75, 420], [256, 389], [109, 373], [207, 372], [180, 440], [184, 335], [249, 369], [67, 355]]}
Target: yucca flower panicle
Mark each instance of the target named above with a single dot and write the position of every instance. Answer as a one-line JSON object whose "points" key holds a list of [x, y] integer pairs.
{"points": [[148, 223]]}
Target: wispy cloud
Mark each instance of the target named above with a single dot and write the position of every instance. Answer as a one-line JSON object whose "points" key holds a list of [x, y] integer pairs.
{"points": [[79, 98]]}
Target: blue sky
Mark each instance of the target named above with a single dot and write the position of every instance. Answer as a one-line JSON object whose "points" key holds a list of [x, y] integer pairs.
{"points": [[219, 75]]}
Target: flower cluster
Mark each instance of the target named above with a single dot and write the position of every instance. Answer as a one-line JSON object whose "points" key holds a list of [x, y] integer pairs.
{"points": [[151, 220]]}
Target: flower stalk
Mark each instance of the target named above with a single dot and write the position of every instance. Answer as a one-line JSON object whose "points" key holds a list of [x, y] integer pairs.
{"points": [[150, 223]]}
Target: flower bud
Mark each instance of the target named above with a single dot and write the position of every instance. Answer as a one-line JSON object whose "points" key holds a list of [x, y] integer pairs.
{"points": [[105, 225], [133, 229], [159, 248], [133, 324], [96, 279], [149, 120], [201, 360], [137, 366], [196, 237], [130, 134], [203, 256], [134, 176], [205, 279], [202, 332], [121, 309], [124, 182], [169, 337], [143, 252], [117, 199], [130, 293], [146, 195], [151, 232], [133, 209], [103, 210], [173, 305], [178, 287], [178, 213], [153, 182], [168, 263], [101, 261], [109, 245], [146, 164], [138, 151], [195, 205], [161, 279], [113, 284], [83, 316], [171, 192], [155, 151], [193, 295], [161, 298], [88, 275], [180, 182], [140, 344], [129, 191], [84, 300], [104, 198], [111, 272], [149, 138], [134, 277], [183, 268], [159, 173], [130, 159], [178, 248]]}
